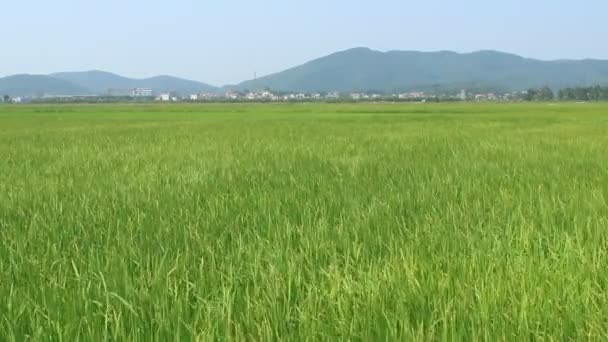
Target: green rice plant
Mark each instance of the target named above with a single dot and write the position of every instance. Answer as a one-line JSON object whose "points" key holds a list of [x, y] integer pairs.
{"points": [[355, 222]]}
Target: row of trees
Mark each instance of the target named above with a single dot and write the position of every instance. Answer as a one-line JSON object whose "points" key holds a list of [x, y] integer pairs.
{"points": [[596, 93], [539, 94]]}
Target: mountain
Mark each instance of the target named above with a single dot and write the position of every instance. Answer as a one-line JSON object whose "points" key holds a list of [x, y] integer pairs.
{"points": [[363, 69], [359, 69], [35, 85], [99, 82], [181, 86]]}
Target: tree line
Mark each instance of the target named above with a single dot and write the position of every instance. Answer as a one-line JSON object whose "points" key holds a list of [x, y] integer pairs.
{"points": [[593, 93], [596, 93], [539, 94]]}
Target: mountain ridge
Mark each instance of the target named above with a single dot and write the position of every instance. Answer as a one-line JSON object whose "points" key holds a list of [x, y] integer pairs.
{"points": [[362, 69], [94, 82], [357, 69], [100, 81], [37, 85]]}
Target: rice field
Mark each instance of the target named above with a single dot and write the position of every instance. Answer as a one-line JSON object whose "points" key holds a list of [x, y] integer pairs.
{"points": [[353, 222]]}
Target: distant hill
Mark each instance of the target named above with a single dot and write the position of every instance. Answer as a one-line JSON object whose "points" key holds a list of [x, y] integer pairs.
{"points": [[37, 85], [359, 69], [362, 69], [99, 82]]}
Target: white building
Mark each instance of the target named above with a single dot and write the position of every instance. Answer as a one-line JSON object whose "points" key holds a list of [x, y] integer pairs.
{"points": [[165, 97], [142, 92], [206, 96], [232, 95], [463, 95]]}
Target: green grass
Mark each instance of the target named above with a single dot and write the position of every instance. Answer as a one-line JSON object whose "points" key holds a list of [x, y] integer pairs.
{"points": [[304, 222]]}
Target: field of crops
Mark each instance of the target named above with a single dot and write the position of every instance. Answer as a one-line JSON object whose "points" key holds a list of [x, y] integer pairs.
{"points": [[306, 221]]}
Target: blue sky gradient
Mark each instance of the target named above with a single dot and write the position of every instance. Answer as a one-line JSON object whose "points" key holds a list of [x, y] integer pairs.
{"points": [[222, 42]]}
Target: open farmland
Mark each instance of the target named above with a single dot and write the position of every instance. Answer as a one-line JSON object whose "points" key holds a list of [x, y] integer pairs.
{"points": [[310, 221]]}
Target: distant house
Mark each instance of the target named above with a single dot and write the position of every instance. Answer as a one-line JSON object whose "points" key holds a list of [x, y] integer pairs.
{"points": [[486, 97], [463, 95], [412, 95], [164, 97], [206, 96], [232, 95], [142, 92]]}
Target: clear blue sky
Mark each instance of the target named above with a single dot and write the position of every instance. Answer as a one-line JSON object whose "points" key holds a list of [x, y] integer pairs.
{"points": [[226, 41]]}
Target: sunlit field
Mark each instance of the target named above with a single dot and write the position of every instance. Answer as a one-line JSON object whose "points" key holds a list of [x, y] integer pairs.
{"points": [[356, 222]]}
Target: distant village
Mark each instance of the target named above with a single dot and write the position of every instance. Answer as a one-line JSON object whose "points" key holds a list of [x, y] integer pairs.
{"points": [[148, 94], [269, 96]]}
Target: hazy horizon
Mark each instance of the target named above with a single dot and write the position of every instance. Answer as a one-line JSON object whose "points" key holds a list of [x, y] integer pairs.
{"points": [[220, 43]]}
